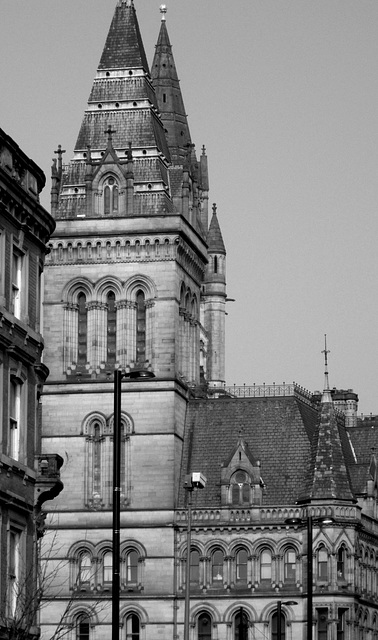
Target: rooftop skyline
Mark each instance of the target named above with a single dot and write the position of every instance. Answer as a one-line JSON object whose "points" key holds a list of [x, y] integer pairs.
{"points": [[284, 97]]}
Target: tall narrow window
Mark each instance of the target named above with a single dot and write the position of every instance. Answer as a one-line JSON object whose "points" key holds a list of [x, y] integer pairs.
{"points": [[322, 564], [194, 566], [107, 567], [110, 196], [275, 625], [14, 419], [85, 569], [82, 330], [217, 566], [132, 627], [289, 565], [14, 570], [111, 328], [241, 625], [341, 554], [82, 627], [204, 627], [97, 459], [141, 328], [132, 560], [215, 264], [341, 623], [241, 565], [322, 623], [16, 282], [266, 565]]}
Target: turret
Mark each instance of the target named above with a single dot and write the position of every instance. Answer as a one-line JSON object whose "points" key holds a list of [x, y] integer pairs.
{"points": [[213, 306]]}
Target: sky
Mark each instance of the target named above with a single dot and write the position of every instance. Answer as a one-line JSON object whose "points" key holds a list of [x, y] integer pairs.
{"points": [[284, 96]]}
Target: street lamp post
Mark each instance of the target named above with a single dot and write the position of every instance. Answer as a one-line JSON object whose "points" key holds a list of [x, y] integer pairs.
{"points": [[194, 480], [118, 375], [279, 612], [116, 503], [309, 577]]}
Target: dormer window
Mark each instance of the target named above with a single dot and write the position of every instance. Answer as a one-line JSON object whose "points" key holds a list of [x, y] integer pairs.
{"points": [[110, 196], [241, 488]]}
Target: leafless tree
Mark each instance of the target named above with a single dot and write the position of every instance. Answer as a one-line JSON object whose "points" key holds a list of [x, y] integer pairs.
{"points": [[26, 596]]}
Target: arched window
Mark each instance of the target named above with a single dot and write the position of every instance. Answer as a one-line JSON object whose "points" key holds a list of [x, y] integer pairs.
{"points": [[111, 328], [241, 565], [240, 488], [107, 567], [97, 438], [110, 196], [15, 415], [341, 562], [275, 625], [98, 462], [141, 327], [217, 567], [204, 627], [132, 562], [241, 625], [82, 627], [82, 330], [290, 565], [322, 563], [85, 569], [266, 565], [194, 566], [132, 627]]}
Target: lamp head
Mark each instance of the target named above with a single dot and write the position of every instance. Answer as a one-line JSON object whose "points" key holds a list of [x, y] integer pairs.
{"points": [[140, 373], [293, 521], [195, 480]]}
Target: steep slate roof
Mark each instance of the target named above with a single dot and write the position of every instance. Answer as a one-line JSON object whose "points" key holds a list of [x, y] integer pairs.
{"points": [[214, 236], [328, 477], [364, 439], [169, 96], [278, 432], [124, 47], [122, 94]]}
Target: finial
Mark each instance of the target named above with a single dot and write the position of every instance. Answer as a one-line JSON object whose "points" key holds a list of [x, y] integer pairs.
{"points": [[109, 131], [326, 397], [214, 209], [203, 150], [163, 11], [59, 152]]}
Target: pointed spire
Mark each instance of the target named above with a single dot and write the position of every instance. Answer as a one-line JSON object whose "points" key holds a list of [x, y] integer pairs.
{"points": [[122, 106], [326, 397], [169, 96], [124, 46], [214, 236], [328, 478]]}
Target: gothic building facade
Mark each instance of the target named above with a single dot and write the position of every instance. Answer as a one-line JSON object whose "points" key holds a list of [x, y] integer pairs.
{"points": [[136, 280], [27, 478]]}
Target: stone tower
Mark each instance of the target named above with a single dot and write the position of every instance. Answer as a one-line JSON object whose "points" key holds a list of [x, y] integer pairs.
{"points": [[127, 287]]}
